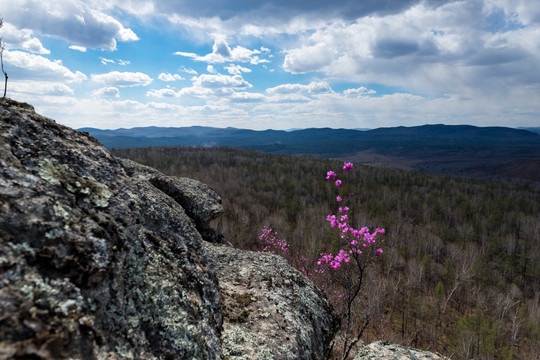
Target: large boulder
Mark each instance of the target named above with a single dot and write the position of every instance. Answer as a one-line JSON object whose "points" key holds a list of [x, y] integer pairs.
{"points": [[102, 258]]}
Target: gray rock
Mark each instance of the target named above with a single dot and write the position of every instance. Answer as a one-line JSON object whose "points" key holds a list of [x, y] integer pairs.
{"points": [[383, 350], [102, 258], [270, 310]]}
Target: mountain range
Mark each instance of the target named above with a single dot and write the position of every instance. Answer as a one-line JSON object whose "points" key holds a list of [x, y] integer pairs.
{"points": [[462, 150]]}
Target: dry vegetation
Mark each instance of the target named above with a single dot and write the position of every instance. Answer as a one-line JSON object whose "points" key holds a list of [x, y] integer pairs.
{"points": [[461, 270]]}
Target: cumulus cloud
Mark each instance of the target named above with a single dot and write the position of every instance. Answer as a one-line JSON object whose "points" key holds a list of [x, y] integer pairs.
{"points": [[40, 88], [22, 39], [222, 52], [208, 86], [78, 48], [106, 92], [166, 92], [236, 69], [122, 79], [211, 81], [23, 65], [167, 77], [432, 50], [71, 20], [246, 97], [361, 91], [314, 87]]}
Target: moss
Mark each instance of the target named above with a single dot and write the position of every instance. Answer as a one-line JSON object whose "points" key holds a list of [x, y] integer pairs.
{"points": [[244, 300]]}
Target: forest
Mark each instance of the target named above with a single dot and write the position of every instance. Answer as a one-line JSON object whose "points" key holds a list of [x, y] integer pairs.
{"points": [[460, 272]]}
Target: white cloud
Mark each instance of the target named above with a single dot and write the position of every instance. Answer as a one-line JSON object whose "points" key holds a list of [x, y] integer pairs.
{"points": [[23, 66], [314, 87], [187, 71], [211, 81], [222, 52], [120, 62], [22, 39], [211, 69], [169, 77], [361, 91], [236, 69], [122, 79], [107, 92], [71, 20], [39, 88], [246, 97], [166, 92], [208, 86], [106, 61], [77, 48], [430, 50]]}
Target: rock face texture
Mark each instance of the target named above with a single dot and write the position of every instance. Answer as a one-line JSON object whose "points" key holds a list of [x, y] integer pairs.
{"points": [[382, 350], [271, 311], [102, 258]]}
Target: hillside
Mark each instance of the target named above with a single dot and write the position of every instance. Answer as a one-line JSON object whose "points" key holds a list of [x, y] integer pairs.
{"points": [[462, 150], [461, 267]]}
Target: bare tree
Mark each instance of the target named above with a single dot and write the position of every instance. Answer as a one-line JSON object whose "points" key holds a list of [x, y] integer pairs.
{"points": [[2, 59]]}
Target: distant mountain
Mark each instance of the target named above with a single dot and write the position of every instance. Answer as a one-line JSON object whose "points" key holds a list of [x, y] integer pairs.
{"points": [[487, 152], [533, 129]]}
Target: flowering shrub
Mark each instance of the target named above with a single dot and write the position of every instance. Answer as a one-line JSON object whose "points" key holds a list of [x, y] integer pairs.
{"points": [[340, 274]]}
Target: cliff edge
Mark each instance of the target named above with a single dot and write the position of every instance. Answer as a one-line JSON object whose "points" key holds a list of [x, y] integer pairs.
{"points": [[102, 258]]}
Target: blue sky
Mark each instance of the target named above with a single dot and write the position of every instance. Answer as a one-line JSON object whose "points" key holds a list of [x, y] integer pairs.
{"points": [[276, 64]]}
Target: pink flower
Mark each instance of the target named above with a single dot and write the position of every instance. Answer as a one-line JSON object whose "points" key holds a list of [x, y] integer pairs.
{"points": [[347, 166], [338, 199], [330, 175], [338, 182], [378, 251]]}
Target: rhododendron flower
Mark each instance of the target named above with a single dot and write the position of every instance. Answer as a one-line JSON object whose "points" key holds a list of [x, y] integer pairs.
{"points": [[338, 182], [347, 166], [330, 175], [378, 251], [338, 199]]}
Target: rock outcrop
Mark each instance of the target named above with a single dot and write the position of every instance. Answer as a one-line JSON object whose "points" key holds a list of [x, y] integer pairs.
{"points": [[382, 350], [102, 258]]}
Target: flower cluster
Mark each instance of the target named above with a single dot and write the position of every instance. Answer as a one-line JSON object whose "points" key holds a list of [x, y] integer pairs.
{"points": [[273, 244], [358, 240]]}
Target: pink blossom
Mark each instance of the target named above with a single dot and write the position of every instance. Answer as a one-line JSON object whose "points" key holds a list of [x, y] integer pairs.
{"points": [[338, 182], [330, 175], [338, 198], [378, 251], [347, 166]]}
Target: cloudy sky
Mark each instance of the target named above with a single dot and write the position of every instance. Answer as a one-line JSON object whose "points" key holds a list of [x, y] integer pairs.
{"points": [[276, 64]]}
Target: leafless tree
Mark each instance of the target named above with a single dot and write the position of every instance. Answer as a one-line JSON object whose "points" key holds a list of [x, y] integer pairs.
{"points": [[2, 59]]}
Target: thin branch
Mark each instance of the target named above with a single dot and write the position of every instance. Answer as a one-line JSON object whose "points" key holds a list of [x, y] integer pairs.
{"points": [[358, 337]]}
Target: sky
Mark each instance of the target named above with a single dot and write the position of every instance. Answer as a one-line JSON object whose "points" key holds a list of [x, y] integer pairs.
{"points": [[275, 64]]}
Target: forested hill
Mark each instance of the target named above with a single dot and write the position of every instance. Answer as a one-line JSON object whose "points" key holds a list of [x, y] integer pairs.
{"points": [[460, 273], [463, 150]]}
